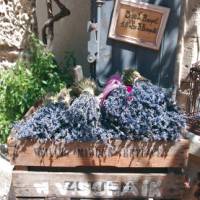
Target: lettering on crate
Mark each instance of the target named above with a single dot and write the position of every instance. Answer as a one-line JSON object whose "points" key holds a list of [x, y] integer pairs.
{"points": [[110, 188]]}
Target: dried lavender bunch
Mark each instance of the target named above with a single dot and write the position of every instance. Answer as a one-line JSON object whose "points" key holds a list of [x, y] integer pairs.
{"points": [[84, 116], [146, 113], [45, 123], [56, 121]]}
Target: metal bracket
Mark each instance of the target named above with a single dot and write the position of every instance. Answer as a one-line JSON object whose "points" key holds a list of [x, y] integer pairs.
{"points": [[94, 29], [100, 2], [92, 43]]}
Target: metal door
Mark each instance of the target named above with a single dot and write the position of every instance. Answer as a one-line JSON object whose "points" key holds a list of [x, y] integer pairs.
{"points": [[114, 56]]}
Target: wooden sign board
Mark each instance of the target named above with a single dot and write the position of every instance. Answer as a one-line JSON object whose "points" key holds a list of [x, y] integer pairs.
{"points": [[139, 23]]}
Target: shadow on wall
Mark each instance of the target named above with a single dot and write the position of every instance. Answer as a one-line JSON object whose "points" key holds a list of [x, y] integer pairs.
{"points": [[70, 33]]}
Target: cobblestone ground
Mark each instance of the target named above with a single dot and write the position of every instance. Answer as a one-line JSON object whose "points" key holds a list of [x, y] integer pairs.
{"points": [[5, 178]]}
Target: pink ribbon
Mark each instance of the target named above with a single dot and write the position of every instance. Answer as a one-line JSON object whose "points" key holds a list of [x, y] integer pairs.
{"points": [[113, 83]]}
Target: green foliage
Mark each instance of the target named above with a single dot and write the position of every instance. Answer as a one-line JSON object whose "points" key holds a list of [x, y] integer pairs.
{"points": [[68, 65], [70, 59], [25, 84]]}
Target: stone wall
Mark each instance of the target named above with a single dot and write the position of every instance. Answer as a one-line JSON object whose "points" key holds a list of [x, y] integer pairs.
{"points": [[17, 19], [191, 51], [15, 23], [189, 48]]}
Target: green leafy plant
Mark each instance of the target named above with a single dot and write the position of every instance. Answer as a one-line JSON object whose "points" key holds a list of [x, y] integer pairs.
{"points": [[25, 84]]}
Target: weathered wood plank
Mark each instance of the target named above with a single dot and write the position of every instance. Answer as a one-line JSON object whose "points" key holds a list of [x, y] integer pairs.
{"points": [[21, 168], [123, 154], [46, 198], [29, 198], [94, 185]]}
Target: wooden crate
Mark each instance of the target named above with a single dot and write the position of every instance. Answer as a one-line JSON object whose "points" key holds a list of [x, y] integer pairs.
{"points": [[123, 170], [119, 154]]}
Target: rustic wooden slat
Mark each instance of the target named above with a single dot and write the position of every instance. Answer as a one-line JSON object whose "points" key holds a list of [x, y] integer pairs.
{"points": [[29, 198], [21, 168], [94, 185], [46, 198], [123, 154]]}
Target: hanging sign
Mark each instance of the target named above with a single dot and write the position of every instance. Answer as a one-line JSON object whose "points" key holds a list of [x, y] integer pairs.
{"points": [[139, 23]]}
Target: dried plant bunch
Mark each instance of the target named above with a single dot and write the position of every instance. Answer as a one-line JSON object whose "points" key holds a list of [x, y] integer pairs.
{"points": [[85, 85], [130, 76], [63, 96]]}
